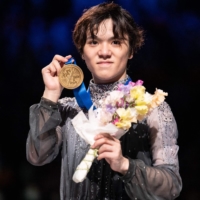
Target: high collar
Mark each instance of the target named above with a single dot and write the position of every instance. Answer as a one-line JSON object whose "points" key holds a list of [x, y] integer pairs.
{"points": [[100, 91]]}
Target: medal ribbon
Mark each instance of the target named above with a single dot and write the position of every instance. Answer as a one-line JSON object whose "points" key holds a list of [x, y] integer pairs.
{"points": [[82, 95]]}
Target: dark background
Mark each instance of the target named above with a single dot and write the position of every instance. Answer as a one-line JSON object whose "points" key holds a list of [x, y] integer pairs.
{"points": [[33, 31]]}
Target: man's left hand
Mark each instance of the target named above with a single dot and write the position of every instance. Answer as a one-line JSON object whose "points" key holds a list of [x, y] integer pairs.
{"points": [[109, 148]]}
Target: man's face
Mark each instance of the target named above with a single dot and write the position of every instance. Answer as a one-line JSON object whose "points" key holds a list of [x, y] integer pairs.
{"points": [[105, 56]]}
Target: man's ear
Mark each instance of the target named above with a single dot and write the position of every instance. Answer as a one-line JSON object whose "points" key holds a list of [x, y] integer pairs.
{"points": [[82, 56], [131, 55]]}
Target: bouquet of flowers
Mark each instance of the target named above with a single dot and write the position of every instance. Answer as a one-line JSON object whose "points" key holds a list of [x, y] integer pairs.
{"points": [[128, 104]]}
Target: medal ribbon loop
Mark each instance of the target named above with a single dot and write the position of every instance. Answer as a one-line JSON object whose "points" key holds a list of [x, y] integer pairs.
{"points": [[82, 96]]}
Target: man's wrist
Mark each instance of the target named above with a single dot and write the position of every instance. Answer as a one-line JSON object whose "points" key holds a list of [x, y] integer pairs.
{"points": [[125, 166], [51, 95]]}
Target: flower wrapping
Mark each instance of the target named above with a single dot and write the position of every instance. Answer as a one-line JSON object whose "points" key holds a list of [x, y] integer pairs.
{"points": [[122, 107], [87, 129]]}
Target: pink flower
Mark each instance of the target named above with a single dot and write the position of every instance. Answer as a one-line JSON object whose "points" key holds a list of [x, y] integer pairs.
{"points": [[115, 120], [121, 103], [139, 82], [132, 84]]}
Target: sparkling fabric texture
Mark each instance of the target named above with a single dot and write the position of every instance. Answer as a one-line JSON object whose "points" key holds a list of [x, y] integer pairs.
{"points": [[151, 147], [99, 92]]}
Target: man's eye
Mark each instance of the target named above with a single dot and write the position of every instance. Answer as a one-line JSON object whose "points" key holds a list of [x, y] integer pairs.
{"points": [[116, 42], [93, 42]]}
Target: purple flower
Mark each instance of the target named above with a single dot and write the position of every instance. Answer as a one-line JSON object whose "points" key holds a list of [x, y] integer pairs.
{"points": [[124, 88], [110, 108]]}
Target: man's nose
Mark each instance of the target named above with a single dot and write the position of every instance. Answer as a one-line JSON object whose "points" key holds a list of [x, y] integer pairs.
{"points": [[104, 51]]}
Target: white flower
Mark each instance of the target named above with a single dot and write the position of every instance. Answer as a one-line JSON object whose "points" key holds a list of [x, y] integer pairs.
{"points": [[103, 116], [129, 99], [147, 98], [134, 113], [114, 97]]}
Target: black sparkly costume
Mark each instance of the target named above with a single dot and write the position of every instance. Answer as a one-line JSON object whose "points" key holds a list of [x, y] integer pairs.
{"points": [[150, 146]]}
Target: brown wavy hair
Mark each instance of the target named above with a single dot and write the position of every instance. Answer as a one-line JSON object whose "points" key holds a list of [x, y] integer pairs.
{"points": [[123, 25]]}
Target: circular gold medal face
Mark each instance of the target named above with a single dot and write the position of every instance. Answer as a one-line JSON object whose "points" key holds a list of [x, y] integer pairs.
{"points": [[70, 76]]}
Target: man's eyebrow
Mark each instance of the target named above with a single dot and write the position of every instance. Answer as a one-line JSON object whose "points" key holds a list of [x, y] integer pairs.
{"points": [[90, 37], [111, 38]]}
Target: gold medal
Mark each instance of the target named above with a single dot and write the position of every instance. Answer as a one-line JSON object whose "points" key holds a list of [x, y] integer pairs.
{"points": [[70, 76]]}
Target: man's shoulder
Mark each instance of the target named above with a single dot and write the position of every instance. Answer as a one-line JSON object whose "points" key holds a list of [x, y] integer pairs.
{"points": [[69, 103]]}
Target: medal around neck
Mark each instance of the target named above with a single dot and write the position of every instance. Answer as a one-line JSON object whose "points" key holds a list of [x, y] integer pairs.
{"points": [[70, 76]]}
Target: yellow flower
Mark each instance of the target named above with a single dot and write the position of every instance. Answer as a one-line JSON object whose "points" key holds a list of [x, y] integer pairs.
{"points": [[141, 106], [158, 98], [142, 109], [126, 117], [137, 91], [123, 124], [140, 101]]}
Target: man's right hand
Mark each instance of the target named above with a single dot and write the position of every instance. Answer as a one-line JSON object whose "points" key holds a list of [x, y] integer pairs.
{"points": [[53, 88]]}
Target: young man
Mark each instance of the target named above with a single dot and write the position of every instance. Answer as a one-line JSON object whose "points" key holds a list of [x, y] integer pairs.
{"points": [[143, 164]]}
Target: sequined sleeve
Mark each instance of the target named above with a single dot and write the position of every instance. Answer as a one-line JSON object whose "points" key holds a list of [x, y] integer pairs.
{"points": [[161, 180], [45, 136]]}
